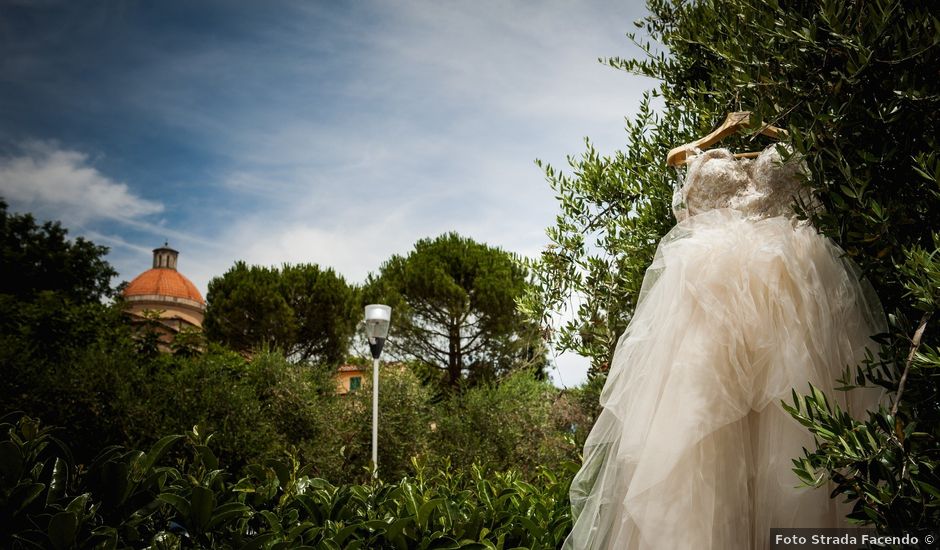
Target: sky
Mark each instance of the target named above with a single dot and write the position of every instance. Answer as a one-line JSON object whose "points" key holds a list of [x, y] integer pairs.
{"points": [[335, 133]]}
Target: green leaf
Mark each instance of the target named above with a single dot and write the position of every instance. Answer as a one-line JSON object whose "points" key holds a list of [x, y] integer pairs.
{"points": [[534, 530], [395, 530], [105, 538], [425, 510], [62, 530], [226, 513], [59, 481], [245, 485], [77, 505], [180, 504], [24, 494], [928, 488], [281, 470], [158, 450], [273, 521], [201, 505], [299, 529], [11, 463], [259, 541], [114, 478], [208, 457], [344, 533]]}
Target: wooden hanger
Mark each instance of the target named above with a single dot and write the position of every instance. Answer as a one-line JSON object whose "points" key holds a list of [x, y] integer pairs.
{"points": [[734, 122]]}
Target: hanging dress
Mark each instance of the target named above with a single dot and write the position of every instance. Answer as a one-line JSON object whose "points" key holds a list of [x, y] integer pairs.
{"points": [[742, 303]]}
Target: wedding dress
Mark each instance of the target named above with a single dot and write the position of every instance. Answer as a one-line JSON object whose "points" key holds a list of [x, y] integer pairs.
{"points": [[742, 303]]}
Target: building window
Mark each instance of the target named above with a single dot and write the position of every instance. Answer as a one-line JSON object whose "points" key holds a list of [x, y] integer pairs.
{"points": [[355, 383]]}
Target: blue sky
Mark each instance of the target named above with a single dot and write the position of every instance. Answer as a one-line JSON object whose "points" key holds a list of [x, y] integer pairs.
{"points": [[337, 133]]}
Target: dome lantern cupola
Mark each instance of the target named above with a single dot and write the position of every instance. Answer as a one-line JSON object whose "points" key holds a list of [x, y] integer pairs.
{"points": [[165, 257]]}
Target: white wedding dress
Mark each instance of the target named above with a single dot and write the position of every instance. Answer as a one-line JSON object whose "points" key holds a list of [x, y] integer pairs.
{"points": [[741, 304]]}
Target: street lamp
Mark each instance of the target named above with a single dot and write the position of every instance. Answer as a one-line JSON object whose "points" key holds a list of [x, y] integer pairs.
{"points": [[378, 317]]}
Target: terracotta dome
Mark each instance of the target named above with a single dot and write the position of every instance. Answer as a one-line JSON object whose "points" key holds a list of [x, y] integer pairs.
{"points": [[162, 281]]}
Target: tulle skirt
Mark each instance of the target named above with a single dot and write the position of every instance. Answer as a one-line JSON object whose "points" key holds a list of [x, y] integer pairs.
{"points": [[692, 448]]}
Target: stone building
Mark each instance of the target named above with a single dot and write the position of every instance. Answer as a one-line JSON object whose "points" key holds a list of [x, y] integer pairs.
{"points": [[351, 378], [165, 295], [164, 298]]}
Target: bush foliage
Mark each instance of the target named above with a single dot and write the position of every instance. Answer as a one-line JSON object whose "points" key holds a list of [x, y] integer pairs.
{"points": [[288, 464], [130, 498]]}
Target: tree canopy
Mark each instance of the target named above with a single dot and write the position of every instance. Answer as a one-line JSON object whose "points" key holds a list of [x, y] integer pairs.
{"points": [[52, 293], [36, 258], [82, 366], [454, 309], [308, 312]]}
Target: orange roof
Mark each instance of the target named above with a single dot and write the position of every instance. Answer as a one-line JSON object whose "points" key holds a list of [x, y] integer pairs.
{"points": [[163, 282], [351, 368]]}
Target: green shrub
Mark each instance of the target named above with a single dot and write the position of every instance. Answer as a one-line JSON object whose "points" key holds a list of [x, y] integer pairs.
{"points": [[214, 391], [503, 425], [404, 427], [132, 498]]}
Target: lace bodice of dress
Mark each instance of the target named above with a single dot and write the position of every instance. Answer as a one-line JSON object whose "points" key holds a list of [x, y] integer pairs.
{"points": [[764, 187]]}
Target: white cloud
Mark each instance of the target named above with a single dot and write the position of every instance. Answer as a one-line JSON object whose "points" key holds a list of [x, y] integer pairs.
{"points": [[447, 105], [45, 178], [354, 243], [569, 370], [341, 136]]}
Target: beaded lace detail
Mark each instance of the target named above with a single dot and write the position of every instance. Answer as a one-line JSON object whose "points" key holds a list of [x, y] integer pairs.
{"points": [[763, 187]]}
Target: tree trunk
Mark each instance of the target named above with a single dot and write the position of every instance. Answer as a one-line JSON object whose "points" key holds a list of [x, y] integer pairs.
{"points": [[454, 359]]}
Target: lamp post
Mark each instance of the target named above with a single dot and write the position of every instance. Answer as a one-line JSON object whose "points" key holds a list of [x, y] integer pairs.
{"points": [[378, 317]]}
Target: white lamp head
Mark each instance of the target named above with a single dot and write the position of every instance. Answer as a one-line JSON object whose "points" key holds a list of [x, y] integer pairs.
{"points": [[378, 318]]}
